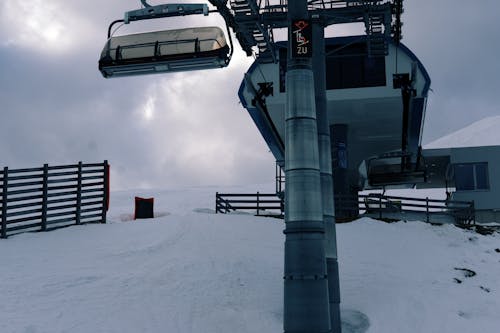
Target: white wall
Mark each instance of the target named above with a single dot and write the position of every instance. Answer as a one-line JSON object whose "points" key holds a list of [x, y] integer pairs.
{"points": [[483, 199]]}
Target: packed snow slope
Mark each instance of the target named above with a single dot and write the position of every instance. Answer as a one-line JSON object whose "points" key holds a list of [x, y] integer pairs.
{"points": [[484, 132], [190, 270]]}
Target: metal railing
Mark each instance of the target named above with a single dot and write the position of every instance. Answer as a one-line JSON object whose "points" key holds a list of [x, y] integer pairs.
{"points": [[262, 204], [372, 205], [426, 209], [50, 197]]}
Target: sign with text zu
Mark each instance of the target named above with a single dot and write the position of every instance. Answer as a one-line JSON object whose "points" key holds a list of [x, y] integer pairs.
{"points": [[301, 39]]}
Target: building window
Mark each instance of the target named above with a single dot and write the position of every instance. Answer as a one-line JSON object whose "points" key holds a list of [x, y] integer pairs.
{"points": [[471, 176], [348, 67]]}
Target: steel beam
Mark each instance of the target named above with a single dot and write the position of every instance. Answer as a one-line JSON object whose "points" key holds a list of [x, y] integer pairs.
{"points": [[306, 305], [325, 161]]}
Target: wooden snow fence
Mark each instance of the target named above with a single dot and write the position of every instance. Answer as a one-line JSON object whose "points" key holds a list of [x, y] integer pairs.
{"points": [[41, 199]]}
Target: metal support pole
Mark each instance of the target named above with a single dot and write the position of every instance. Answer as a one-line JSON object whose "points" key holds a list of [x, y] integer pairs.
{"points": [[216, 202], [258, 204], [79, 193], [105, 199], [427, 209], [306, 307], [380, 207], [325, 161], [5, 189], [45, 196]]}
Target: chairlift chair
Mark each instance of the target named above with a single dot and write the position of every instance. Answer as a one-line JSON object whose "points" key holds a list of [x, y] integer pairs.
{"points": [[164, 51], [386, 170]]}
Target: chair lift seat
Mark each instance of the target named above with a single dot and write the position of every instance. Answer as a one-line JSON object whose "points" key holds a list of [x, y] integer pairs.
{"points": [[164, 51]]}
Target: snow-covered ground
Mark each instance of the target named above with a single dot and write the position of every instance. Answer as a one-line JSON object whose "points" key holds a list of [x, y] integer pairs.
{"points": [[190, 270]]}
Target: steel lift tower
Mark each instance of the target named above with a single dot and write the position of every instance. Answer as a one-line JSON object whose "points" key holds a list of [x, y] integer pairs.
{"points": [[311, 274]]}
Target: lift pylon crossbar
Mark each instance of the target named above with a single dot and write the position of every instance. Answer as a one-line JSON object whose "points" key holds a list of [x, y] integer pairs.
{"points": [[166, 10]]}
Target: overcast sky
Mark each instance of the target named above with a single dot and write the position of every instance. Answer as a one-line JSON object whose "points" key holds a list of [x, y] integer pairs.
{"points": [[189, 128]]}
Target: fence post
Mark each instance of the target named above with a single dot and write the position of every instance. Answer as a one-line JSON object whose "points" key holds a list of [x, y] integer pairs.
{"points": [[380, 207], [4, 202], [45, 190], [473, 212], [79, 194], [105, 189], [258, 204], [282, 206], [216, 202], [427, 209]]}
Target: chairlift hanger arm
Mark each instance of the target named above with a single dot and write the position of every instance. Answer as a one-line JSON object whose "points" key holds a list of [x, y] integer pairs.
{"points": [[159, 11], [165, 10]]}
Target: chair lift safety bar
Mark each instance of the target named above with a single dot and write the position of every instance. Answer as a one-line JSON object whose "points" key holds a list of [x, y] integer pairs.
{"points": [[164, 51]]}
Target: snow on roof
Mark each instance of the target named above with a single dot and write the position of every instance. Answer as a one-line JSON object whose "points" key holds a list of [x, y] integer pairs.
{"points": [[485, 132]]}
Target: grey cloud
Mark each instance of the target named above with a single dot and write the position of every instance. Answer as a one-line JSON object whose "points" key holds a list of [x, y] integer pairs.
{"points": [[456, 41], [56, 108]]}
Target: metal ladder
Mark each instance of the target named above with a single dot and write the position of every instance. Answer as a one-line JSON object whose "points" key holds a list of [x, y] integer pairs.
{"points": [[374, 27], [246, 14]]}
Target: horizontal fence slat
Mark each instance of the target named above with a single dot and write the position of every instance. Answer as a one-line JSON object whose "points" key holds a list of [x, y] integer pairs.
{"points": [[90, 172], [91, 177], [14, 171], [51, 215], [68, 206], [90, 210], [373, 197], [91, 203], [91, 190], [93, 221], [254, 207], [63, 220], [24, 219], [415, 199], [55, 201], [246, 195], [25, 205], [89, 216], [60, 187], [255, 201], [23, 184], [24, 212], [64, 180], [89, 197], [93, 184], [62, 167], [64, 173], [25, 191], [39, 175], [30, 197], [24, 226], [392, 204], [60, 194], [423, 206], [92, 165]]}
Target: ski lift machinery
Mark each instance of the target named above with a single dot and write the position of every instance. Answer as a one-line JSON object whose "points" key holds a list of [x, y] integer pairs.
{"points": [[164, 51]]}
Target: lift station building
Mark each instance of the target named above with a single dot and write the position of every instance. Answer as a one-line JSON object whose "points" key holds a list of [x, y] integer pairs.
{"points": [[365, 114]]}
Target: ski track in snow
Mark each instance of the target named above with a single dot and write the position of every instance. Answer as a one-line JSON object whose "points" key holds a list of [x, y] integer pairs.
{"points": [[195, 271]]}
